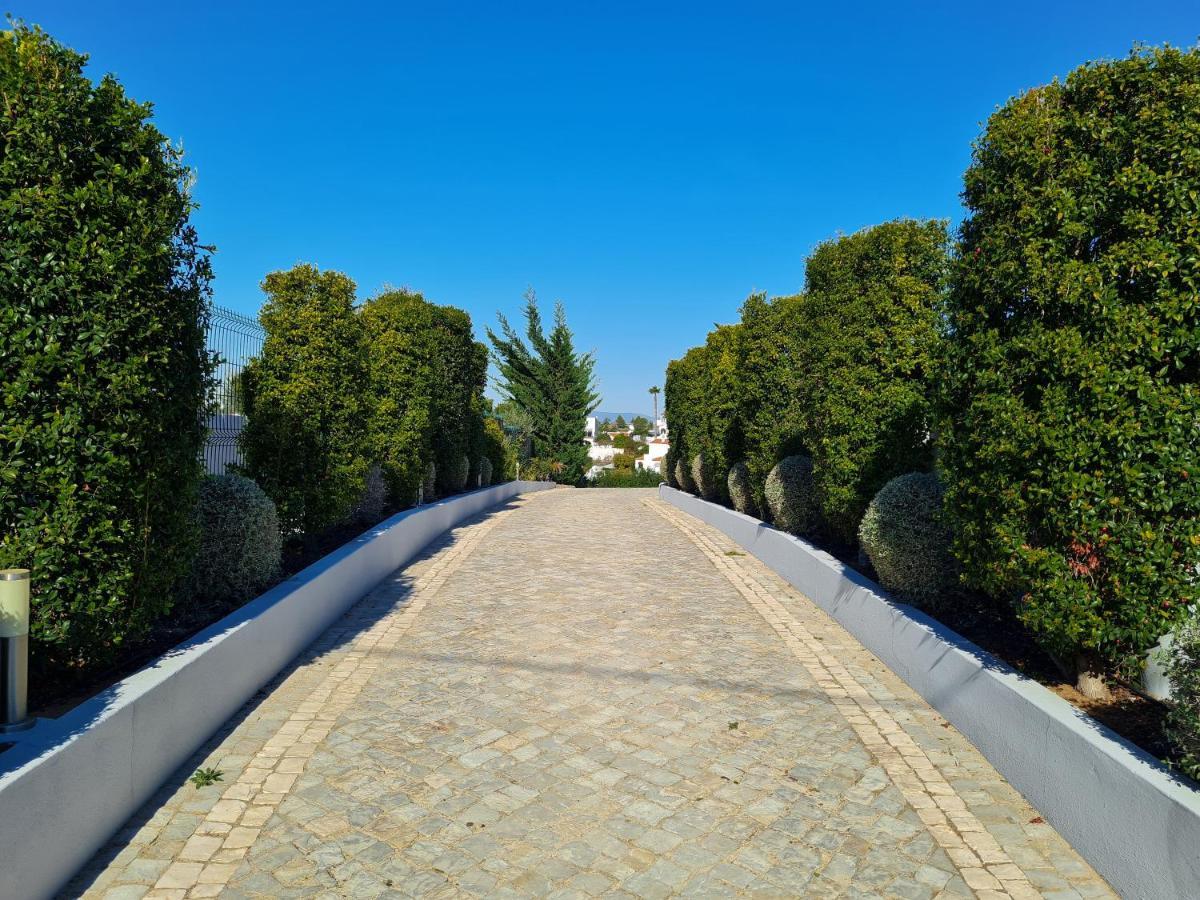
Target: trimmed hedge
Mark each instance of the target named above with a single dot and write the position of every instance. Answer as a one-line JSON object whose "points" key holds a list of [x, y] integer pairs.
{"points": [[904, 535], [485, 472], [1070, 378], [791, 496], [683, 477], [303, 441], [103, 371], [870, 334], [1183, 715], [240, 544]]}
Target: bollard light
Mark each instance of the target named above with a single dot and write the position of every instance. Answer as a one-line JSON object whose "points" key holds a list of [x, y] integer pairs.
{"points": [[14, 650]]}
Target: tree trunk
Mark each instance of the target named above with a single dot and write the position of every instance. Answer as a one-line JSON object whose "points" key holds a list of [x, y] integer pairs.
{"points": [[1089, 679]]}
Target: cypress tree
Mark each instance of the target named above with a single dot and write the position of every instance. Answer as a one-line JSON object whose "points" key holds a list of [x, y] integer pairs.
{"points": [[552, 383]]}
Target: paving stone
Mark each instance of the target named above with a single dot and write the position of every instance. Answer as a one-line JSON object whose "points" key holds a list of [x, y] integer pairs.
{"points": [[541, 705]]}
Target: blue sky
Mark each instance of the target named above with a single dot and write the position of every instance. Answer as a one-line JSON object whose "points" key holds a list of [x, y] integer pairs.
{"points": [[648, 164]]}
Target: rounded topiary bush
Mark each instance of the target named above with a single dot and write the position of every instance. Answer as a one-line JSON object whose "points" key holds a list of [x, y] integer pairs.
{"points": [[485, 472], [740, 492], [904, 535], [791, 495], [458, 473], [702, 477], [683, 477], [240, 544], [1183, 718]]}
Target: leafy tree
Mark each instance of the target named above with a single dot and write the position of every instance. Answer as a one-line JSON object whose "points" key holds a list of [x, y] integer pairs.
{"points": [[401, 334], [869, 332], [461, 367], [770, 354], [553, 383], [304, 441], [1072, 371], [103, 372], [620, 424], [641, 426]]}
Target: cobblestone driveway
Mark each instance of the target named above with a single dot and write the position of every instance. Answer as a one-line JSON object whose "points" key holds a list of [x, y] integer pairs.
{"points": [[588, 693]]}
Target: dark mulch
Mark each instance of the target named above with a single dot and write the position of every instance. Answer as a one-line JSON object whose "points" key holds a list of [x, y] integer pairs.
{"points": [[995, 628], [55, 689]]}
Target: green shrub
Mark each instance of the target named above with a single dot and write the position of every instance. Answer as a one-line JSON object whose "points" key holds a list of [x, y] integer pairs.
{"points": [[103, 372], [303, 441], [703, 477], [429, 486], [630, 478], [1070, 394], [240, 544], [771, 345], [904, 535], [683, 477], [791, 496], [740, 493], [485, 472], [702, 392], [1183, 717], [401, 337], [455, 475], [373, 498], [870, 330], [497, 450]]}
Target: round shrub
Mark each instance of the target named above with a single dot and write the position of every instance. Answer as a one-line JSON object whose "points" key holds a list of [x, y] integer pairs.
{"points": [[103, 369], [240, 544], [739, 489], [904, 535], [485, 472], [1069, 399], [1183, 718], [683, 477], [702, 477], [792, 496], [458, 473]]}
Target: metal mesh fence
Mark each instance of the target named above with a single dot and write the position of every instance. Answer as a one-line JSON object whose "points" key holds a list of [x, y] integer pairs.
{"points": [[233, 339]]}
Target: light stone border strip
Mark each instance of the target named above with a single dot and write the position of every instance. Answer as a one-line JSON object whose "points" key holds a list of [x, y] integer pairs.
{"points": [[211, 856], [1136, 823], [981, 861], [74, 781]]}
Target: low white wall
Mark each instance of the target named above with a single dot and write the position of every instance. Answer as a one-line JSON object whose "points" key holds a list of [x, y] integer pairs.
{"points": [[1117, 805], [70, 783]]}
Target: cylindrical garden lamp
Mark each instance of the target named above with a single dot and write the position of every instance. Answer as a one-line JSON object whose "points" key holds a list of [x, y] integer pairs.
{"points": [[14, 650]]}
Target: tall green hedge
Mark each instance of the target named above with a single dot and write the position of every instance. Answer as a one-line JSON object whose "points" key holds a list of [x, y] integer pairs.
{"points": [[305, 442], [1072, 369], [103, 373], [401, 335], [770, 350], [869, 337]]}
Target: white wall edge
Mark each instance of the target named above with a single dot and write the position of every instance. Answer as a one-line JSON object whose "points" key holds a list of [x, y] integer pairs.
{"points": [[1123, 811], [70, 783]]}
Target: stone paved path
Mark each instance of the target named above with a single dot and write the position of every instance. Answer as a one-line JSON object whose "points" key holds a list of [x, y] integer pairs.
{"points": [[589, 693]]}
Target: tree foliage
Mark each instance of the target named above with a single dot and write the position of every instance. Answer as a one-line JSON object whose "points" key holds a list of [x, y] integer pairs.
{"points": [[103, 372], [1072, 367], [869, 333], [305, 396], [552, 383]]}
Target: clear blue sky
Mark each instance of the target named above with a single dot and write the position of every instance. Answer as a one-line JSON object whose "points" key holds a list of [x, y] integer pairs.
{"points": [[649, 164]]}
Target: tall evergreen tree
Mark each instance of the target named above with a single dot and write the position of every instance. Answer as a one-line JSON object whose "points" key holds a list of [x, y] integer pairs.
{"points": [[552, 383]]}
